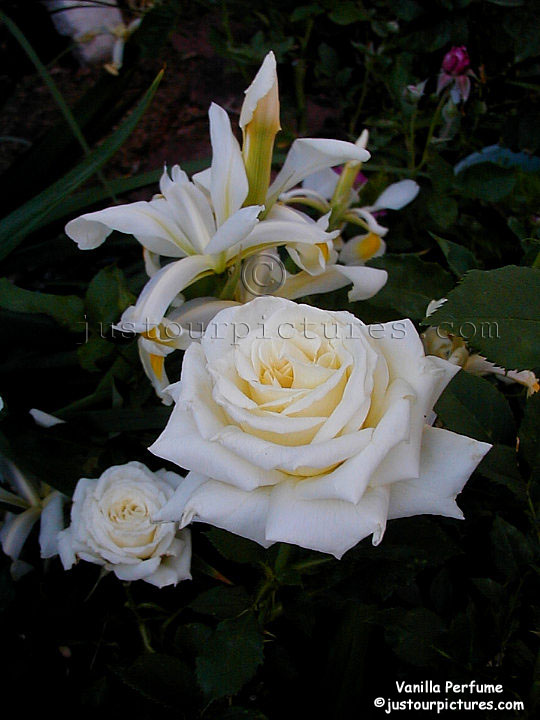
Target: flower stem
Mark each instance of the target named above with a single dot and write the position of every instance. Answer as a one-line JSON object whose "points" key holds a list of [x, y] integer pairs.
{"points": [[229, 289], [432, 126], [410, 141], [145, 636], [360, 103]]}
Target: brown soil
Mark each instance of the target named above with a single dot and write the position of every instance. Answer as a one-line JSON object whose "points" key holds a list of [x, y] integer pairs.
{"points": [[174, 128]]}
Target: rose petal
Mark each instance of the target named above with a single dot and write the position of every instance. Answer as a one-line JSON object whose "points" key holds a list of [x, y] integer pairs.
{"points": [[330, 526], [447, 461]]}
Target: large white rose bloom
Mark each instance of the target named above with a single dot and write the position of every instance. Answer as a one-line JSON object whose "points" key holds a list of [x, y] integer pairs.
{"points": [[309, 427], [111, 525]]}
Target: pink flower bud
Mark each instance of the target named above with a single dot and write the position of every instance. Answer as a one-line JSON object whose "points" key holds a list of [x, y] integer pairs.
{"points": [[456, 61]]}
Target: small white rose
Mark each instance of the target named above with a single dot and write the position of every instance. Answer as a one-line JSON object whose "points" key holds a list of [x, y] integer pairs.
{"points": [[309, 427], [112, 525]]}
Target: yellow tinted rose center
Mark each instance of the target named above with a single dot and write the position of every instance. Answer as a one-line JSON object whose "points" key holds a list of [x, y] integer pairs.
{"points": [[279, 373], [129, 523], [127, 510]]}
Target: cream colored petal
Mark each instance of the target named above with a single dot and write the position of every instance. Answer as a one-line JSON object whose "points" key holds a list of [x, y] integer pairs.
{"points": [[150, 223], [174, 568], [51, 523], [229, 185], [193, 214], [182, 443], [329, 526], [308, 156], [43, 419], [447, 461], [349, 481], [370, 221], [206, 500], [396, 196], [152, 357], [159, 292], [323, 182], [136, 571], [16, 529], [263, 82], [273, 456], [234, 230], [366, 281]]}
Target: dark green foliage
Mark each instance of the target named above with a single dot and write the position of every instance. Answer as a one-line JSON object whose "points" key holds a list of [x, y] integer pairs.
{"points": [[284, 632]]}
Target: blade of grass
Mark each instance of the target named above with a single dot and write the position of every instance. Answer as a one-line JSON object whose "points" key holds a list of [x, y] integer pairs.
{"points": [[94, 195], [55, 92], [21, 222]]}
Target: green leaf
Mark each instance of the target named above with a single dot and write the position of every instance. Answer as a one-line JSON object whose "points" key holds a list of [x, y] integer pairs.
{"points": [[508, 3], [444, 210], [414, 634], [304, 12], [349, 657], [163, 679], [234, 547], [55, 456], [486, 181], [511, 549], [346, 13], [460, 259], [472, 406], [107, 297], [441, 175], [490, 589], [125, 419], [67, 310], [500, 466], [191, 638], [412, 284], [221, 601], [93, 353], [524, 27], [21, 222], [497, 313], [231, 657], [529, 435]]}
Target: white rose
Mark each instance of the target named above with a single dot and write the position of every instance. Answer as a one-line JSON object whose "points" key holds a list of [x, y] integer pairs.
{"points": [[308, 427], [112, 525]]}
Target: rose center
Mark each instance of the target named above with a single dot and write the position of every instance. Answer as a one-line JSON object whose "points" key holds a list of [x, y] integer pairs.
{"points": [[280, 372], [127, 510]]}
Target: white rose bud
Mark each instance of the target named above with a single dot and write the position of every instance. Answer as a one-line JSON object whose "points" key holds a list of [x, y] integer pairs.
{"points": [[112, 525], [308, 427]]}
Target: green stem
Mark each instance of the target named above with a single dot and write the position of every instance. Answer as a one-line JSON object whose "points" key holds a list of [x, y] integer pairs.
{"points": [[145, 637], [282, 558], [230, 38], [432, 126], [299, 78], [360, 103], [229, 289], [532, 510], [410, 140]]}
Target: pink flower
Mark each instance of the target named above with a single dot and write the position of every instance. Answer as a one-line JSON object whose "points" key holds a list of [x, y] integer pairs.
{"points": [[455, 71], [456, 61]]}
